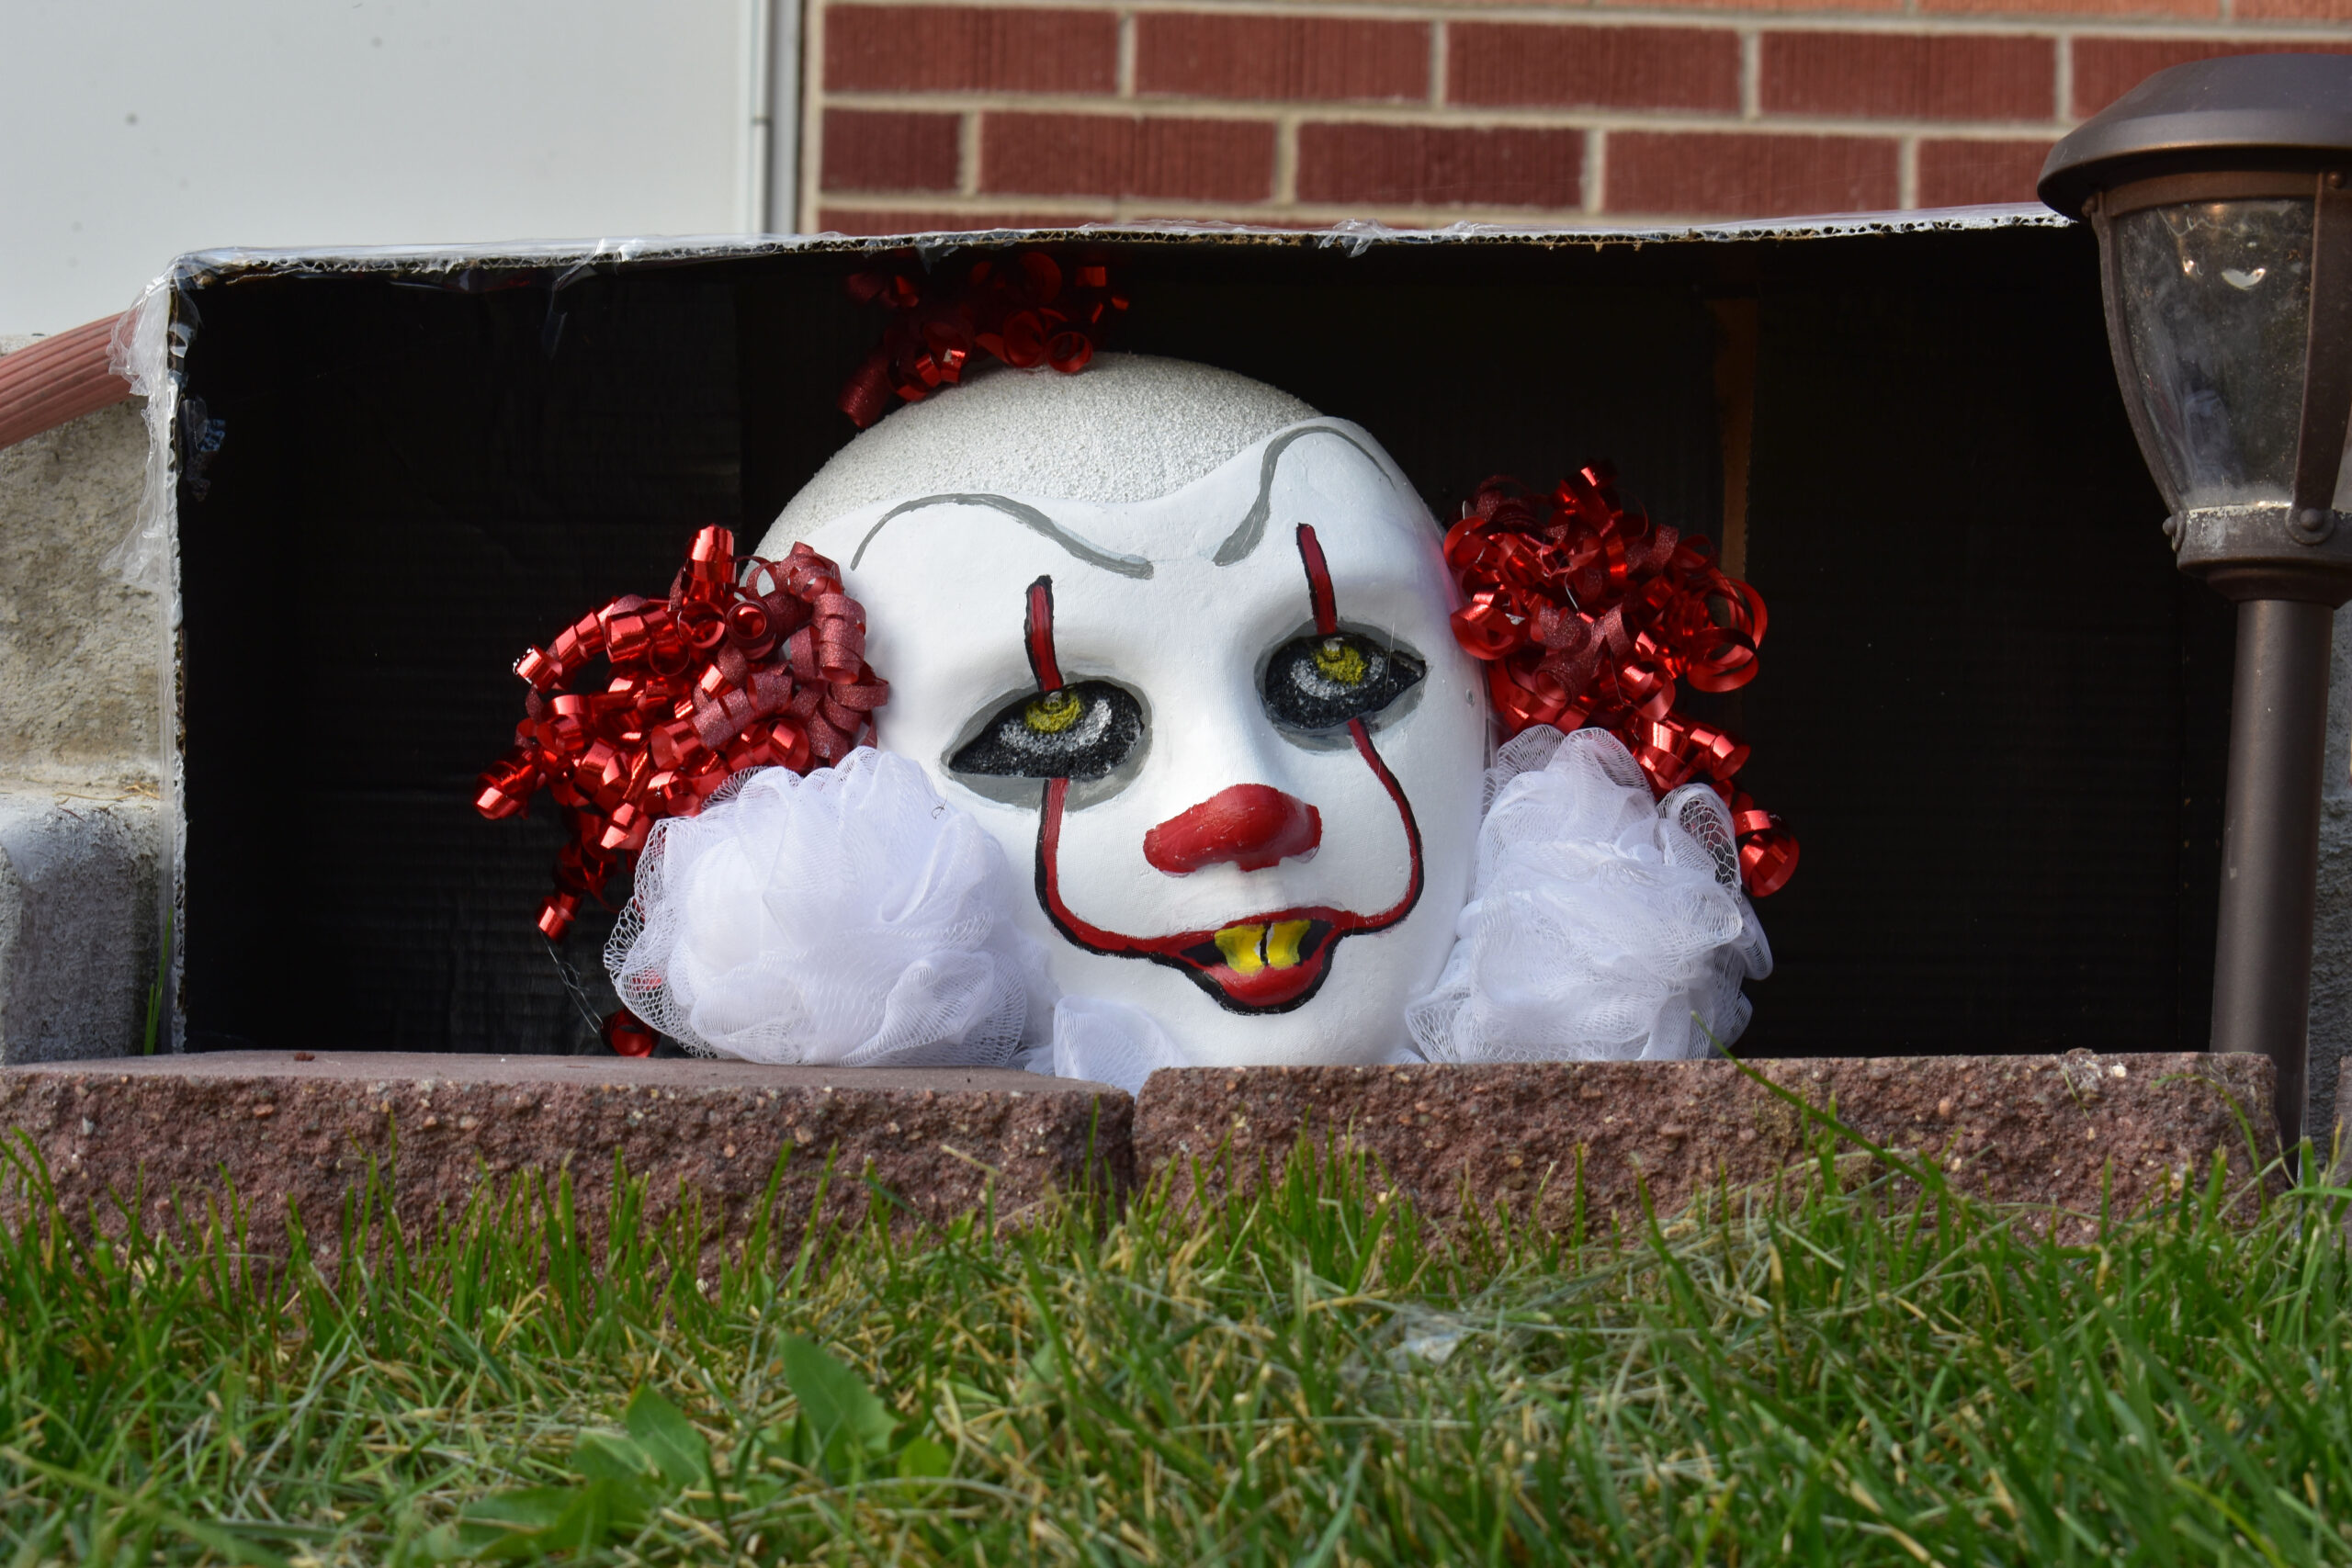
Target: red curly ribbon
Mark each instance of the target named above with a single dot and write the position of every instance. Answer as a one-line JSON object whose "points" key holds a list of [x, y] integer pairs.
{"points": [[1026, 314], [1587, 614], [748, 664], [627, 1036]]}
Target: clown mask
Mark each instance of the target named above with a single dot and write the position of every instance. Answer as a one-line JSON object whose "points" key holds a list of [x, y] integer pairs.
{"points": [[1180, 645]]}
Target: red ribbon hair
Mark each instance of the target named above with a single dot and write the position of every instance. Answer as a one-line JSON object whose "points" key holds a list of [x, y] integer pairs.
{"points": [[1588, 614], [748, 664], [1027, 313]]}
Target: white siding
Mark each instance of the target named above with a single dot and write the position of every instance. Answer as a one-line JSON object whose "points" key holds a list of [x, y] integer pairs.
{"points": [[133, 130]]}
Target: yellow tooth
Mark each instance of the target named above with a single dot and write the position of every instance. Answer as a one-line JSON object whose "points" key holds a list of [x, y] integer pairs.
{"points": [[1281, 943], [1239, 945]]}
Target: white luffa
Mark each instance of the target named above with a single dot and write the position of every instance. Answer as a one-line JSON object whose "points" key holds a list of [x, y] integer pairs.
{"points": [[854, 918], [848, 919], [1602, 926], [1109, 1042]]}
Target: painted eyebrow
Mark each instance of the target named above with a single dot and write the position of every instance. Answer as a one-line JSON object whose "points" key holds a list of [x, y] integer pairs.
{"points": [[1029, 517], [1251, 530]]}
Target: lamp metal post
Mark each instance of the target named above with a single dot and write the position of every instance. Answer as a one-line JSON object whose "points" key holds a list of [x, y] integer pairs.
{"points": [[2219, 191]]}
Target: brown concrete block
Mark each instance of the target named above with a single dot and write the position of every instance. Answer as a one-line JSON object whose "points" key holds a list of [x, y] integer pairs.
{"points": [[1909, 75], [2107, 68], [1113, 155], [282, 1127], [969, 48], [1434, 166], [1578, 66], [920, 220], [2037, 1129], [1957, 173], [891, 150], [1208, 54], [1748, 173]]}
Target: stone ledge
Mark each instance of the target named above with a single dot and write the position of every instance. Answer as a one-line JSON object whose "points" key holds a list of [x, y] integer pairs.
{"points": [[2043, 1130], [302, 1125]]}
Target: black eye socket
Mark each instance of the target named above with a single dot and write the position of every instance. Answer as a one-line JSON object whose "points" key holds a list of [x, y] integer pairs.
{"points": [[1080, 732], [1320, 683]]}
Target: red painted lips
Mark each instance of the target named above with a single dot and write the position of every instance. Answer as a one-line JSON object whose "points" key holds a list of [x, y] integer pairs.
{"points": [[1262, 962]]}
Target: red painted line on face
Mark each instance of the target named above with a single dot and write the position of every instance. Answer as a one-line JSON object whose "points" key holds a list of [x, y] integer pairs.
{"points": [[1037, 630], [1404, 906], [1318, 582]]}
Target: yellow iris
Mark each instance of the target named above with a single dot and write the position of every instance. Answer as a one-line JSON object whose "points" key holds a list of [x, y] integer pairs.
{"points": [[1052, 713], [1340, 660]]}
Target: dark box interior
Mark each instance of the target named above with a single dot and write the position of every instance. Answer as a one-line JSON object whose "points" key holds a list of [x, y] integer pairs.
{"points": [[1991, 709]]}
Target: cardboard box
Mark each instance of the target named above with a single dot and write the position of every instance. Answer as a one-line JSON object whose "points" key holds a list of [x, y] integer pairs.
{"points": [[1991, 709]]}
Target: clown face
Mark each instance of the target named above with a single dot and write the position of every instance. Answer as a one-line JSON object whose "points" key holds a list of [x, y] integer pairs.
{"points": [[1226, 728]]}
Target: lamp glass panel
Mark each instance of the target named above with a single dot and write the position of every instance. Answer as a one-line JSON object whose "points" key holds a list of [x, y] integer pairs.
{"points": [[2216, 301]]}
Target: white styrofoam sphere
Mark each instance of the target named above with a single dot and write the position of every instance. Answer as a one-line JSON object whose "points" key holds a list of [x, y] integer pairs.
{"points": [[1128, 427], [1179, 514]]}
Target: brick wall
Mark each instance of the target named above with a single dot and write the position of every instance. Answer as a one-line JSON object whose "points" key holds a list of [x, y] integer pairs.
{"points": [[939, 114]]}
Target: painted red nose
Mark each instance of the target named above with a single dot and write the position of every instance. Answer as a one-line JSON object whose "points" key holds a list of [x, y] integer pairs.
{"points": [[1253, 826]]}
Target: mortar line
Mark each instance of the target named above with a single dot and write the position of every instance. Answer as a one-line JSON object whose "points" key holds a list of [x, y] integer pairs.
{"points": [[1079, 209], [813, 100], [1414, 113], [2225, 28]]}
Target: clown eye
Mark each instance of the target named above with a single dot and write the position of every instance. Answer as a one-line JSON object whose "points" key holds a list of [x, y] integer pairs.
{"points": [[1078, 732], [1321, 682]]}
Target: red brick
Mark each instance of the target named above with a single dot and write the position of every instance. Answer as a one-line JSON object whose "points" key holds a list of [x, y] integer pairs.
{"points": [[1093, 154], [915, 220], [1428, 165], [884, 150], [1953, 172], [1760, 6], [2295, 10], [1910, 76], [1214, 56], [965, 49], [1748, 174], [2201, 10], [1640, 68], [2107, 68]]}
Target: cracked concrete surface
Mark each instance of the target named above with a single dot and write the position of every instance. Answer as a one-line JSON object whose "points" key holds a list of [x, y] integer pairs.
{"points": [[1561, 1140], [312, 1127], [82, 827], [78, 916]]}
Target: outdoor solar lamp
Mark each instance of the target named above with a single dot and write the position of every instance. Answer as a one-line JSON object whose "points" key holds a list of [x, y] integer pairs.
{"points": [[2219, 193]]}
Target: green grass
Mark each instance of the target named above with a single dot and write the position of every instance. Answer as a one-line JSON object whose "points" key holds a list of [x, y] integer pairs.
{"points": [[1869, 1374]]}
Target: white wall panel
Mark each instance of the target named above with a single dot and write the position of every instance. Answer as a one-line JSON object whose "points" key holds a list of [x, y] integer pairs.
{"points": [[133, 130]]}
